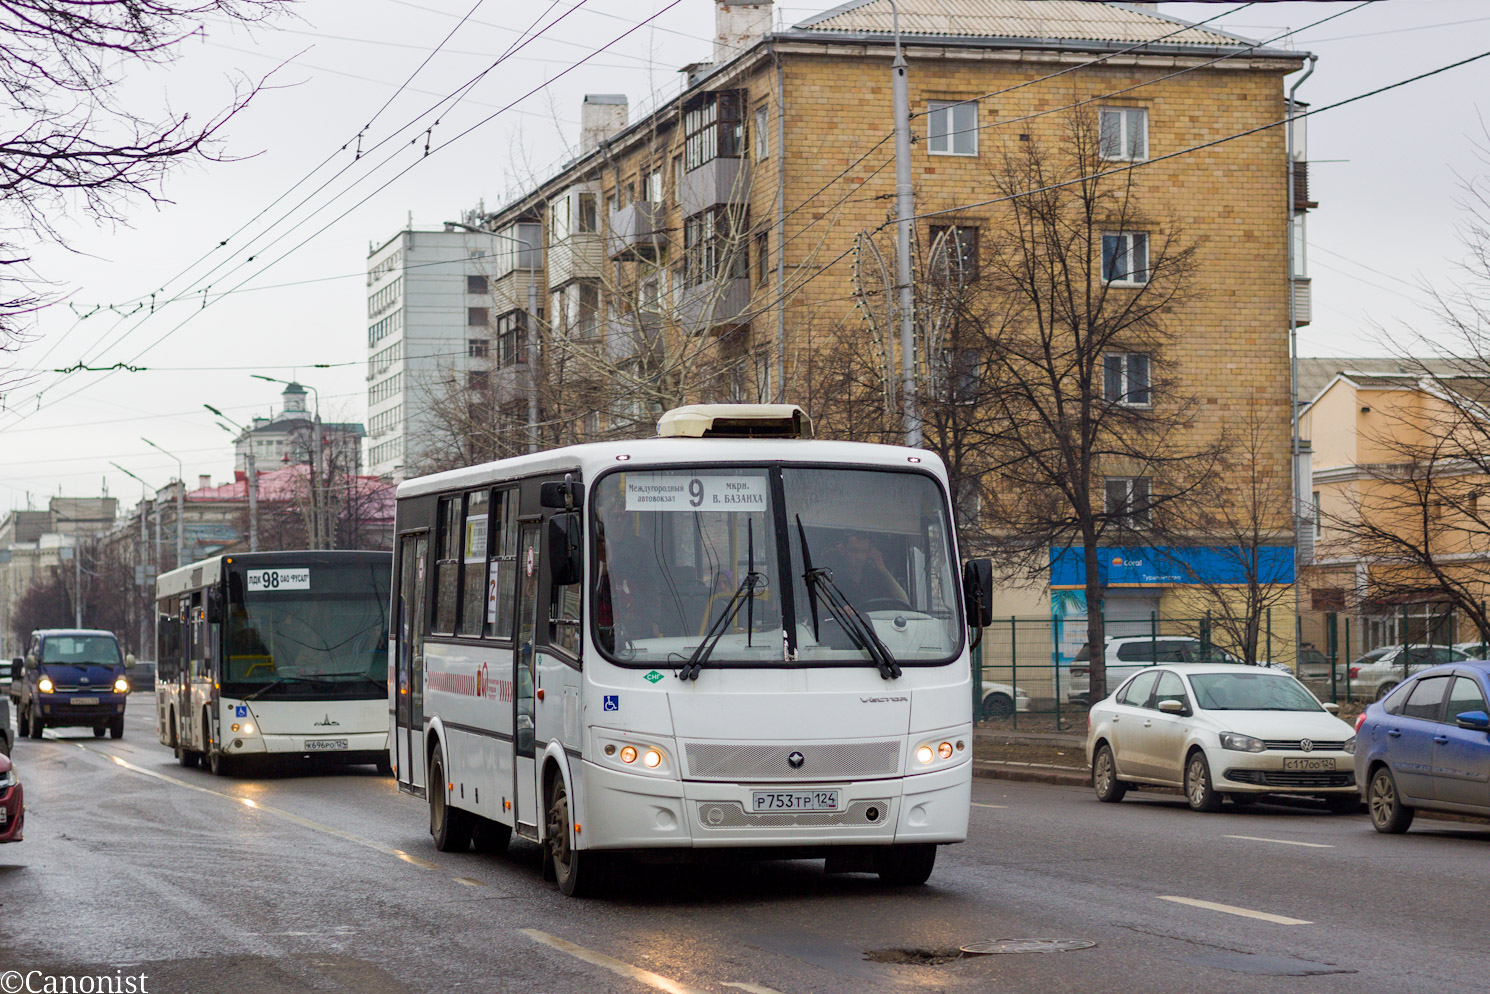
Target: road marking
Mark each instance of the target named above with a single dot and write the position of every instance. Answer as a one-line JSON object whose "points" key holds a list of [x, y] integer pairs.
{"points": [[1232, 910], [1281, 842], [615, 966], [750, 988], [467, 881], [977, 805]]}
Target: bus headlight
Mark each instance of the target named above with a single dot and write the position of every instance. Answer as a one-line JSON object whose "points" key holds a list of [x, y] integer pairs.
{"points": [[44, 685], [628, 754], [946, 750], [642, 757], [924, 755], [121, 686], [651, 759], [246, 728]]}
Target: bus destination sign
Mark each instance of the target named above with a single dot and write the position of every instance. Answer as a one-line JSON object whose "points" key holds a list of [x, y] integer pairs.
{"points": [[262, 581]]}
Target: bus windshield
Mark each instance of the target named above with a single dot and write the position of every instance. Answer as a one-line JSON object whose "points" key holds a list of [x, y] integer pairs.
{"points": [[681, 555], [322, 626]]}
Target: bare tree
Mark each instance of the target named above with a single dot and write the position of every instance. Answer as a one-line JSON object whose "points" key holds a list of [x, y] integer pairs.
{"points": [[72, 143]]}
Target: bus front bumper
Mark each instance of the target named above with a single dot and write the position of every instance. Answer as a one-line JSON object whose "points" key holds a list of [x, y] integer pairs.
{"points": [[627, 811]]}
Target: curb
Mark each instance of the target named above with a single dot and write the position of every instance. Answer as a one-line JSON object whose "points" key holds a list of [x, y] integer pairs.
{"points": [[1065, 776]]}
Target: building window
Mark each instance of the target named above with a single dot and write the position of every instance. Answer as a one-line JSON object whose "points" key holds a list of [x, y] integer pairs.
{"points": [[952, 127], [589, 221], [712, 246], [475, 284], [1125, 379], [763, 258], [959, 243], [478, 348], [577, 306], [713, 129], [477, 317], [1125, 258], [1123, 133], [1128, 500], [652, 185], [510, 333], [478, 380], [961, 373], [762, 132], [1318, 517]]}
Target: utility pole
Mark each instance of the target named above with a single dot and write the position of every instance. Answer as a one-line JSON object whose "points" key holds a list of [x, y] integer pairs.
{"points": [[904, 210], [180, 502], [253, 475]]}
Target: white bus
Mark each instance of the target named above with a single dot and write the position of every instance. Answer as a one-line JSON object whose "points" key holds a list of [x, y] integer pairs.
{"points": [[726, 637], [274, 653]]}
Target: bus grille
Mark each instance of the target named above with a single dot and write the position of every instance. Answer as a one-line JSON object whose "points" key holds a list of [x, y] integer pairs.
{"points": [[730, 814], [737, 762]]}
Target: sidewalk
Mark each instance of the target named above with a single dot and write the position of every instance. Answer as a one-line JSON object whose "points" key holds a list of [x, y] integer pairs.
{"points": [[1035, 757]]}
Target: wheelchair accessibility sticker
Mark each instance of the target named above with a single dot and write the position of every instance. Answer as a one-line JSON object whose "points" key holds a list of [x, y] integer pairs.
{"points": [[240, 711], [612, 702]]}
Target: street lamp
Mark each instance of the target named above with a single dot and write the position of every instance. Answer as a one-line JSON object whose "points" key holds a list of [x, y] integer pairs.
{"points": [[318, 538], [904, 210], [180, 499], [149, 595], [531, 336], [253, 476]]}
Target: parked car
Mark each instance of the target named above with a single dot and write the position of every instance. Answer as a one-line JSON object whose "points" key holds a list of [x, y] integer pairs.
{"points": [[9, 731], [1001, 700], [1128, 654], [1378, 671], [71, 677], [1426, 746], [1312, 664], [12, 803], [1220, 731], [1474, 650], [141, 675]]}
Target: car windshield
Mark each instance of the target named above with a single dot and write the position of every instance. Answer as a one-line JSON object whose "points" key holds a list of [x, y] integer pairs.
{"points": [[674, 550], [322, 623], [1251, 692], [80, 650]]}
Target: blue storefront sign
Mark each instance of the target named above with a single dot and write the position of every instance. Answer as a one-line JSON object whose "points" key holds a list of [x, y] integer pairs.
{"points": [[1172, 565]]}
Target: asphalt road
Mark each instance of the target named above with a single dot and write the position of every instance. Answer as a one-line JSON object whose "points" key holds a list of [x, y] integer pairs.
{"points": [[302, 880]]}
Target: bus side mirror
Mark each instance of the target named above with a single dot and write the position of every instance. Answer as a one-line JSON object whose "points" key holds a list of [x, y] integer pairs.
{"points": [[566, 496], [977, 592], [564, 537]]}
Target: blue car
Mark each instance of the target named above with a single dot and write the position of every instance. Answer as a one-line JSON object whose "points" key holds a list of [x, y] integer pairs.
{"points": [[1426, 746]]}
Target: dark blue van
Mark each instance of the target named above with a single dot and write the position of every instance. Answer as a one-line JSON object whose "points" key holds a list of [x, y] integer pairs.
{"points": [[71, 678]]}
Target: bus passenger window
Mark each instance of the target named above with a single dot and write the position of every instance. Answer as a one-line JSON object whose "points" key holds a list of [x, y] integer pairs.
{"points": [[447, 566], [502, 583], [473, 565]]}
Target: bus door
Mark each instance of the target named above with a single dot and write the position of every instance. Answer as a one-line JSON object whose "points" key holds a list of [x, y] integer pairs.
{"points": [[525, 660], [409, 712]]}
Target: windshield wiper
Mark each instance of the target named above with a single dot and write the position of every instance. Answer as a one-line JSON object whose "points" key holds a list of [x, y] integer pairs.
{"points": [[860, 631], [280, 681], [744, 596]]}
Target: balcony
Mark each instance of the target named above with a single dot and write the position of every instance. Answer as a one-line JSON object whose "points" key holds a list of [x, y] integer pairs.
{"points": [[580, 256], [1303, 309], [629, 336], [713, 304], [718, 181], [637, 231]]}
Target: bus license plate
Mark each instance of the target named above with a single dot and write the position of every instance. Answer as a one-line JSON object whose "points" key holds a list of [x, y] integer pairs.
{"points": [[762, 801], [1312, 765], [324, 745], [84, 700]]}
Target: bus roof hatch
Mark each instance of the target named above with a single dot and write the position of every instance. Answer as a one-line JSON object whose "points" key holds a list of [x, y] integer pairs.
{"points": [[735, 421]]}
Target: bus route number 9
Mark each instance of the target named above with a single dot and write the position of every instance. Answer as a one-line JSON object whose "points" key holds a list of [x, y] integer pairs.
{"points": [[696, 492]]}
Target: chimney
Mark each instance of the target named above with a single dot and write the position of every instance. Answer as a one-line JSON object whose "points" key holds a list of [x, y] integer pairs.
{"points": [[204, 481], [600, 116], [738, 24]]}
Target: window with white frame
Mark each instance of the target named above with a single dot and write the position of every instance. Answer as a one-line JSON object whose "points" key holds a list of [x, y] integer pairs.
{"points": [[952, 127], [762, 135], [1125, 258], [1125, 379], [1127, 500], [1123, 133], [1318, 517]]}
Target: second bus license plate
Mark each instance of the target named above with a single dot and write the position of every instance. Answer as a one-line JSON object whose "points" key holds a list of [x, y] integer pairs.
{"points": [[763, 801], [324, 745]]}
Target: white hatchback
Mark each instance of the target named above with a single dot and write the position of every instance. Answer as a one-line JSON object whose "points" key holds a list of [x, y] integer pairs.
{"points": [[1233, 732]]}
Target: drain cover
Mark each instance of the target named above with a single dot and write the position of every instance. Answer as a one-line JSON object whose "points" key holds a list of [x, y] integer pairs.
{"points": [[1001, 946]]}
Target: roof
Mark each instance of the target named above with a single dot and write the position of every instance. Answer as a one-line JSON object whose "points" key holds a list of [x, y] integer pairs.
{"points": [[1070, 21], [1316, 373], [48, 632], [288, 484]]}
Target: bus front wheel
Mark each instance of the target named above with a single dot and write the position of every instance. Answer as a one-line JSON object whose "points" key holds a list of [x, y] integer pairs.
{"points": [[578, 873], [906, 865], [451, 827]]}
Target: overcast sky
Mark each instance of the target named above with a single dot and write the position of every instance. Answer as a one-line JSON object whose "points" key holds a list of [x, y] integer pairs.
{"points": [[1385, 175]]}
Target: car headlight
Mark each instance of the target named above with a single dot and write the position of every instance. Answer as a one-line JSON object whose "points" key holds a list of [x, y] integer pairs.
{"points": [[1349, 745], [121, 686], [9, 778], [44, 685], [1241, 743]]}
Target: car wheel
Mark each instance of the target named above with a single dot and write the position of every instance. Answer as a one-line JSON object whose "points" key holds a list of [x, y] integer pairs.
{"points": [[98, 731], [906, 865], [997, 705], [1385, 689], [1242, 800], [1199, 791], [116, 728], [491, 837], [23, 720], [577, 873], [37, 727], [1342, 804], [450, 827], [1388, 814], [1109, 788]]}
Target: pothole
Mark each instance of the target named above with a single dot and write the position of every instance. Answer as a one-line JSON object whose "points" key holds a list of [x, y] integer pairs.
{"points": [[994, 947], [915, 956]]}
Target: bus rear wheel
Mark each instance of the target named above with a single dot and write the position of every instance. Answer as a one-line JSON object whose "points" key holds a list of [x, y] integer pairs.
{"points": [[577, 872], [451, 827]]}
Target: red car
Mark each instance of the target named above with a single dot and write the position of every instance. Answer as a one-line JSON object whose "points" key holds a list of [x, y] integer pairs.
{"points": [[12, 806]]}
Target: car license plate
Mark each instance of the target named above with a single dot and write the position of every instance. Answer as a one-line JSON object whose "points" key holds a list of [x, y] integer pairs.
{"points": [[324, 745], [3, 816], [763, 801], [84, 700], [1309, 764]]}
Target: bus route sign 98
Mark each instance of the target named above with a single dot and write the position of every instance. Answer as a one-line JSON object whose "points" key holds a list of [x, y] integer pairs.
{"points": [[261, 581]]}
